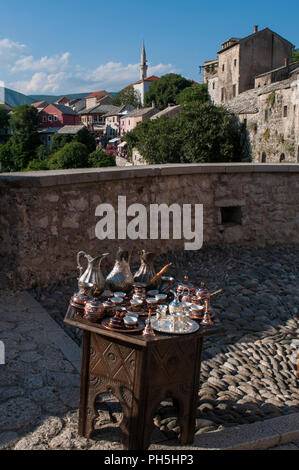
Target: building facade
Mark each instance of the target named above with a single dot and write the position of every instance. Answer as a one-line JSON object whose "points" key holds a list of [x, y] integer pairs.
{"points": [[130, 121], [240, 60], [254, 79]]}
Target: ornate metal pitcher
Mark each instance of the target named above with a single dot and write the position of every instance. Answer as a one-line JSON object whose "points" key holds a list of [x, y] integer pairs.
{"points": [[92, 278], [120, 278], [146, 271]]}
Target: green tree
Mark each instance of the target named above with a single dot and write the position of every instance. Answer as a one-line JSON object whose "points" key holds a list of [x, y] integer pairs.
{"points": [[295, 55], [37, 165], [59, 141], [25, 138], [198, 93], [99, 158], [126, 96], [4, 118], [166, 90], [209, 134], [86, 138], [6, 157], [201, 133], [72, 155]]}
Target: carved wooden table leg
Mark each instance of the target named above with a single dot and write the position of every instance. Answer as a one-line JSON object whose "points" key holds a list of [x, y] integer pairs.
{"points": [[84, 383]]}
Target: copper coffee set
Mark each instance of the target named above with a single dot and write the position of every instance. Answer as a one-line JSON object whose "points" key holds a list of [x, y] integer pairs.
{"points": [[144, 302]]}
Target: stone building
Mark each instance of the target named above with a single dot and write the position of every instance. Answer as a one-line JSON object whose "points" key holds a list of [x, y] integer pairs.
{"points": [[255, 80]]}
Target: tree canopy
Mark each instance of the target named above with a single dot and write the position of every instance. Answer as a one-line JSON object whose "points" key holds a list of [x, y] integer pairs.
{"points": [[201, 133], [99, 158], [126, 96], [25, 139], [4, 118], [296, 55], [166, 90], [198, 93], [72, 155]]}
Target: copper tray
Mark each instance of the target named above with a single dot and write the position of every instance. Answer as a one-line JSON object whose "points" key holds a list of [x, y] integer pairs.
{"points": [[139, 327]]}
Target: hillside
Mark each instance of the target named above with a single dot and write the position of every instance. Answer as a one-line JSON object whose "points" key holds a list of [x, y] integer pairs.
{"points": [[13, 98], [71, 96]]}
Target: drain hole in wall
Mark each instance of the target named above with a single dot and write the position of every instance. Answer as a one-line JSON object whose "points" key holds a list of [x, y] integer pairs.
{"points": [[231, 215]]}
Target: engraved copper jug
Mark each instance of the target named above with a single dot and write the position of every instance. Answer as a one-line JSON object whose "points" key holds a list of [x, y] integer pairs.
{"points": [[92, 278], [120, 278]]}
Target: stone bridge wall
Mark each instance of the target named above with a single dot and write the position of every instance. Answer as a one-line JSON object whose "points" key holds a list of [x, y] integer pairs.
{"points": [[47, 217]]}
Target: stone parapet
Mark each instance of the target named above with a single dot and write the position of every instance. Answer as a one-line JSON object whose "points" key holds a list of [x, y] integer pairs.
{"points": [[48, 216]]}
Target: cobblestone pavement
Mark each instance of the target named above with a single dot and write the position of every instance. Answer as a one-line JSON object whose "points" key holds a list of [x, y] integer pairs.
{"points": [[248, 373]]}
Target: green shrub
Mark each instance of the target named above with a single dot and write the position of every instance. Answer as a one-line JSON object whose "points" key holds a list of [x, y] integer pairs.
{"points": [[99, 158], [72, 155]]}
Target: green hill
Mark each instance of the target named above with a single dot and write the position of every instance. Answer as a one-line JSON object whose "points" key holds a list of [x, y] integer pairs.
{"points": [[13, 98], [71, 96]]}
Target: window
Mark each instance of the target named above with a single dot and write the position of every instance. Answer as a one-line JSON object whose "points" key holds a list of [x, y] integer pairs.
{"points": [[222, 67], [235, 62], [245, 123], [222, 94], [264, 157], [213, 85], [49, 138], [49, 118], [44, 118], [55, 118], [285, 111], [234, 90]]}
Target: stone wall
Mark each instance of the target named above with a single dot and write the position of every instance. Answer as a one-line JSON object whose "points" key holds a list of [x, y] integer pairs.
{"points": [[274, 129], [47, 217]]}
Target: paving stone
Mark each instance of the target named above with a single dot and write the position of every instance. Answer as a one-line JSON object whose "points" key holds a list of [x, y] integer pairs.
{"points": [[17, 413]]}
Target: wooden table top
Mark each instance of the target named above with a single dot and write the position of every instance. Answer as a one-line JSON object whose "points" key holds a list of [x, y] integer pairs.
{"points": [[137, 338]]}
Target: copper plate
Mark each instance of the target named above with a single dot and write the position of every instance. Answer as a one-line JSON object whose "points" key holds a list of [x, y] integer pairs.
{"points": [[135, 329]]}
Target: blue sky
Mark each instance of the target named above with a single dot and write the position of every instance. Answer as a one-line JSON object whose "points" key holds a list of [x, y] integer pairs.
{"points": [[68, 46]]}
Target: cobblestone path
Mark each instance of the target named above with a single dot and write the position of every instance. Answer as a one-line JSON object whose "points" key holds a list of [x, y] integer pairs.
{"points": [[248, 374]]}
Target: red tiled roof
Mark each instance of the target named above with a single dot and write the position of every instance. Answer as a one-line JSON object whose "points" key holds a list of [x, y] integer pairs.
{"points": [[36, 104], [64, 98], [147, 79], [97, 93]]}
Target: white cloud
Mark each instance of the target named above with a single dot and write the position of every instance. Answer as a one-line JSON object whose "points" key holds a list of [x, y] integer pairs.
{"points": [[49, 64], [55, 74], [8, 47], [41, 82]]}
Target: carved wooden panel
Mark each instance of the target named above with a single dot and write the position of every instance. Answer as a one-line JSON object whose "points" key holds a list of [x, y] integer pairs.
{"points": [[172, 362], [113, 360]]}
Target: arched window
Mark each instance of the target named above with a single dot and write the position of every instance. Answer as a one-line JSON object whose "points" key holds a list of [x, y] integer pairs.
{"points": [[264, 157], [282, 157]]}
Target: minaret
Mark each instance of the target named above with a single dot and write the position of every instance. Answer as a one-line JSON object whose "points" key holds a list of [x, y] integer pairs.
{"points": [[143, 66]]}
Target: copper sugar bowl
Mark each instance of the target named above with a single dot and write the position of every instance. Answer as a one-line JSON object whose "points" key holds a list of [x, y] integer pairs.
{"points": [[78, 302], [94, 310]]}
